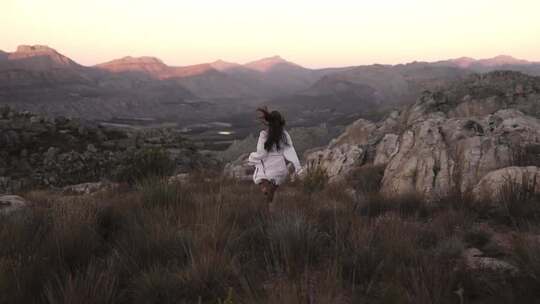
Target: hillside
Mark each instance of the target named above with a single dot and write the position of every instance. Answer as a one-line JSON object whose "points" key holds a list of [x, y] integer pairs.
{"points": [[436, 203], [36, 152], [207, 239]]}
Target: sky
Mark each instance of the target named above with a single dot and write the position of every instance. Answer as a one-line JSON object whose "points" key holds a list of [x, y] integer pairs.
{"points": [[313, 33]]}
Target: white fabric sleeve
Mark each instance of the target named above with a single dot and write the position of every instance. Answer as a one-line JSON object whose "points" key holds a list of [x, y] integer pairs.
{"points": [[256, 157], [290, 154]]}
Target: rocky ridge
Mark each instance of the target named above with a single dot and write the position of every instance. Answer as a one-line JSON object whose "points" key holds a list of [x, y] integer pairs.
{"points": [[447, 140]]}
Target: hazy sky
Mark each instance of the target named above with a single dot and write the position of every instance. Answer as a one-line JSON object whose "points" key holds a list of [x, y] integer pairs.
{"points": [[310, 32]]}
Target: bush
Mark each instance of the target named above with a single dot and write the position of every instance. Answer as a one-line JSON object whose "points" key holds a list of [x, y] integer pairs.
{"points": [[519, 201], [157, 285], [144, 163], [528, 155], [367, 179], [294, 243], [160, 193], [207, 240], [315, 179], [96, 285], [375, 204], [477, 238], [526, 254]]}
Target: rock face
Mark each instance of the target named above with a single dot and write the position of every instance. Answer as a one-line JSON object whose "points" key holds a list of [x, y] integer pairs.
{"points": [[35, 151], [447, 140], [357, 146]]}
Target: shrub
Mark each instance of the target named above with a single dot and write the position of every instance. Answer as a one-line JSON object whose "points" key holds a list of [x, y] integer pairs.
{"points": [[528, 155], [157, 285], [477, 238], [429, 280], [526, 254], [157, 192], [315, 179], [95, 285], [207, 240], [519, 201], [144, 163], [367, 179], [294, 243], [375, 204]]}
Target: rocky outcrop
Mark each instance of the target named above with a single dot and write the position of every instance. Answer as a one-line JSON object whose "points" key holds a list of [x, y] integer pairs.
{"points": [[447, 140], [240, 169], [35, 151], [362, 142], [476, 260], [447, 148], [11, 203], [357, 133], [337, 161], [386, 149], [489, 187]]}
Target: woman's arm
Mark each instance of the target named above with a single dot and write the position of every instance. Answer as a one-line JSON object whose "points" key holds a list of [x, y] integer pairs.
{"points": [[290, 154], [255, 157]]}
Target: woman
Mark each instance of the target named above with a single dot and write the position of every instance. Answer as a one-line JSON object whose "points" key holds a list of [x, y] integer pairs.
{"points": [[274, 148]]}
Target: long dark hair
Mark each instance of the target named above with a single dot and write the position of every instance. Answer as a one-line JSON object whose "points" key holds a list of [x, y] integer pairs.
{"points": [[275, 123]]}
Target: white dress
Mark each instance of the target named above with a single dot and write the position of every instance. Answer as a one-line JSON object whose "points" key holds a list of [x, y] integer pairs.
{"points": [[271, 165]]}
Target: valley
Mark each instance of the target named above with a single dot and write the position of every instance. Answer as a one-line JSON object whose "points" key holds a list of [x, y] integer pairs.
{"points": [[203, 100]]}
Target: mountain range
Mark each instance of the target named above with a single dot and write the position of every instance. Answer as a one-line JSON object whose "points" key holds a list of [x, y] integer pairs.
{"points": [[41, 79]]}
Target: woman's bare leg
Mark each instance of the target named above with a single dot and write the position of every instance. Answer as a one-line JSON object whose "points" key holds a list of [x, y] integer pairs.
{"points": [[271, 192], [269, 189]]}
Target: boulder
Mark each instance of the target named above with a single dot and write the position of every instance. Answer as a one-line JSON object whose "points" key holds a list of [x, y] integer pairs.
{"points": [[337, 161], [475, 260], [240, 168], [88, 188], [179, 178], [11, 203], [490, 186]]}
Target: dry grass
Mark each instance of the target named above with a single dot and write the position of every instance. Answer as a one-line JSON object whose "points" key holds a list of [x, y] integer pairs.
{"points": [[210, 240]]}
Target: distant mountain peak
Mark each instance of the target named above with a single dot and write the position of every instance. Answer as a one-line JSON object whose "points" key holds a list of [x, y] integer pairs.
{"points": [[504, 57], [222, 65], [129, 60], [148, 64], [463, 62], [141, 59], [268, 63], [273, 59], [35, 49], [42, 53], [502, 60]]}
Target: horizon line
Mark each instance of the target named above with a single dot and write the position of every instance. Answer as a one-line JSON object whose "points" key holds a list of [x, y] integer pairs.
{"points": [[530, 61]]}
